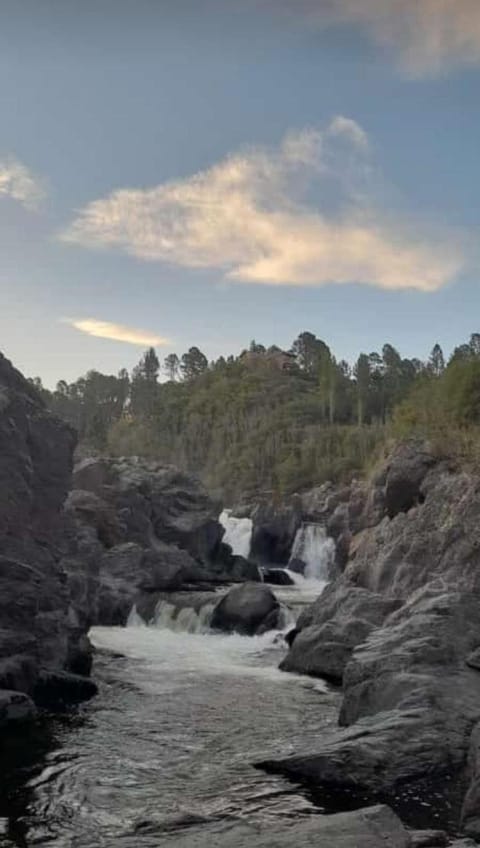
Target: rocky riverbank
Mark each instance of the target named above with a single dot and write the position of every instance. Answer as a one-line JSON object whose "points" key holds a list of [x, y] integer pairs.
{"points": [[80, 546], [400, 630]]}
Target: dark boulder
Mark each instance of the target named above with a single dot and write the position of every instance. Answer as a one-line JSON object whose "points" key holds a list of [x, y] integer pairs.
{"points": [[245, 608], [296, 565], [151, 501], [56, 688], [15, 706], [274, 530], [277, 577]]}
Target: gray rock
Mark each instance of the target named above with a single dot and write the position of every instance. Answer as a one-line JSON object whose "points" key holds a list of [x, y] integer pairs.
{"points": [[406, 470], [471, 804], [463, 843], [372, 827], [15, 706], [53, 688], [245, 608], [411, 684], [38, 625], [429, 838], [277, 577], [329, 630], [154, 502], [473, 659], [274, 530]]}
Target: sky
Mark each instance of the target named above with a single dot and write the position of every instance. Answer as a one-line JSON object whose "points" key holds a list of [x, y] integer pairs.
{"points": [[208, 172]]}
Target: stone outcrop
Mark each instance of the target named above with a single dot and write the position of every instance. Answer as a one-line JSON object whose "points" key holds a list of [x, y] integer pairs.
{"points": [[38, 631], [142, 527], [372, 827], [274, 529], [400, 628], [248, 609]]}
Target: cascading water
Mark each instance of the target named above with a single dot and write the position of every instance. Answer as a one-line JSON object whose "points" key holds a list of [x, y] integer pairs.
{"points": [[178, 619], [238, 533], [316, 550]]}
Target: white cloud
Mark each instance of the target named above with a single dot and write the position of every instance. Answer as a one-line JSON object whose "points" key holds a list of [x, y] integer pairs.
{"points": [[19, 183], [117, 332], [428, 36], [248, 216], [353, 131]]}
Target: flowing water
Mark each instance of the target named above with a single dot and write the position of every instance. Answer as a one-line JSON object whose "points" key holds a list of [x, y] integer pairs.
{"points": [[238, 533], [166, 751], [316, 550]]}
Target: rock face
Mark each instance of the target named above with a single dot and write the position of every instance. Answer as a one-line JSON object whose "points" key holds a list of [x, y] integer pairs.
{"points": [[401, 629], [274, 530], [247, 609], [142, 528], [38, 631], [329, 629], [372, 827]]}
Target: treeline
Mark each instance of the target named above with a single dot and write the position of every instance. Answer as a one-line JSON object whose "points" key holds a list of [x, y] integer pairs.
{"points": [[267, 419]]}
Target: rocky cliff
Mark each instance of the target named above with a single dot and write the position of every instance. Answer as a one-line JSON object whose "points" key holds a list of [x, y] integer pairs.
{"points": [[38, 637], [77, 552], [141, 529], [400, 629]]}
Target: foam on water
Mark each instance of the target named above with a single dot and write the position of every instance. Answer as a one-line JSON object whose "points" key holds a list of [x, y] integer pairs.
{"points": [[166, 652]]}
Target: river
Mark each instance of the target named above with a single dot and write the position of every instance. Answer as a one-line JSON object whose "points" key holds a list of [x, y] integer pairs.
{"points": [[167, 748]]}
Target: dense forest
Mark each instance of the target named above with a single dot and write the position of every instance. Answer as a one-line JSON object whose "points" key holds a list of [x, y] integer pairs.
{"points": [[274, 420]]}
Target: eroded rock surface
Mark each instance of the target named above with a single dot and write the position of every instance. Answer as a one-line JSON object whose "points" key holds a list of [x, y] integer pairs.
{"points": [[142, 527], [39, 632], [400, 628]]}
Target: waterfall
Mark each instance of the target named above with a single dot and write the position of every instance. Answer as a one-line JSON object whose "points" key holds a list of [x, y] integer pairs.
{"points": [[178, 619], [238, 533], [316, 550]]}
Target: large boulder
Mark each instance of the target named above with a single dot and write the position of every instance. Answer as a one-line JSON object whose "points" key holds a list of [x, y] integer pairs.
{"points": [[329, 629], [153, 502], [274, 530], [38, 630], [244, 609]]}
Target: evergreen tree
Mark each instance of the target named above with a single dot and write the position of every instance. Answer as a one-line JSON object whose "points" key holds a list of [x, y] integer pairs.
{"points": [[362, 376], [144, 386], [171, 366], [436, 361], [193, 363]]}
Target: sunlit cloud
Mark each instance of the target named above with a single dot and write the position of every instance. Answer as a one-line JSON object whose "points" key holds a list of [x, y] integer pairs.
{"points": [[20, 184], [117, 332], [301, 214], [427, 36]]}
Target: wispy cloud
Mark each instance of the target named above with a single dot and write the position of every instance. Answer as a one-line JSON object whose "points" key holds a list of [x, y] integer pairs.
{"points": [[302, 214], [117, 332], [427, 36], [20, 184]]}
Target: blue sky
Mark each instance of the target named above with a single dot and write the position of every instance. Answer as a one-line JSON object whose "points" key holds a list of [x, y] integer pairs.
{"points": [[235, 169]]}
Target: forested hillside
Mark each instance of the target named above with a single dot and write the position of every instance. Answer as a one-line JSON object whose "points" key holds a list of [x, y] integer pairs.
{"points": [[274, 420]]}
